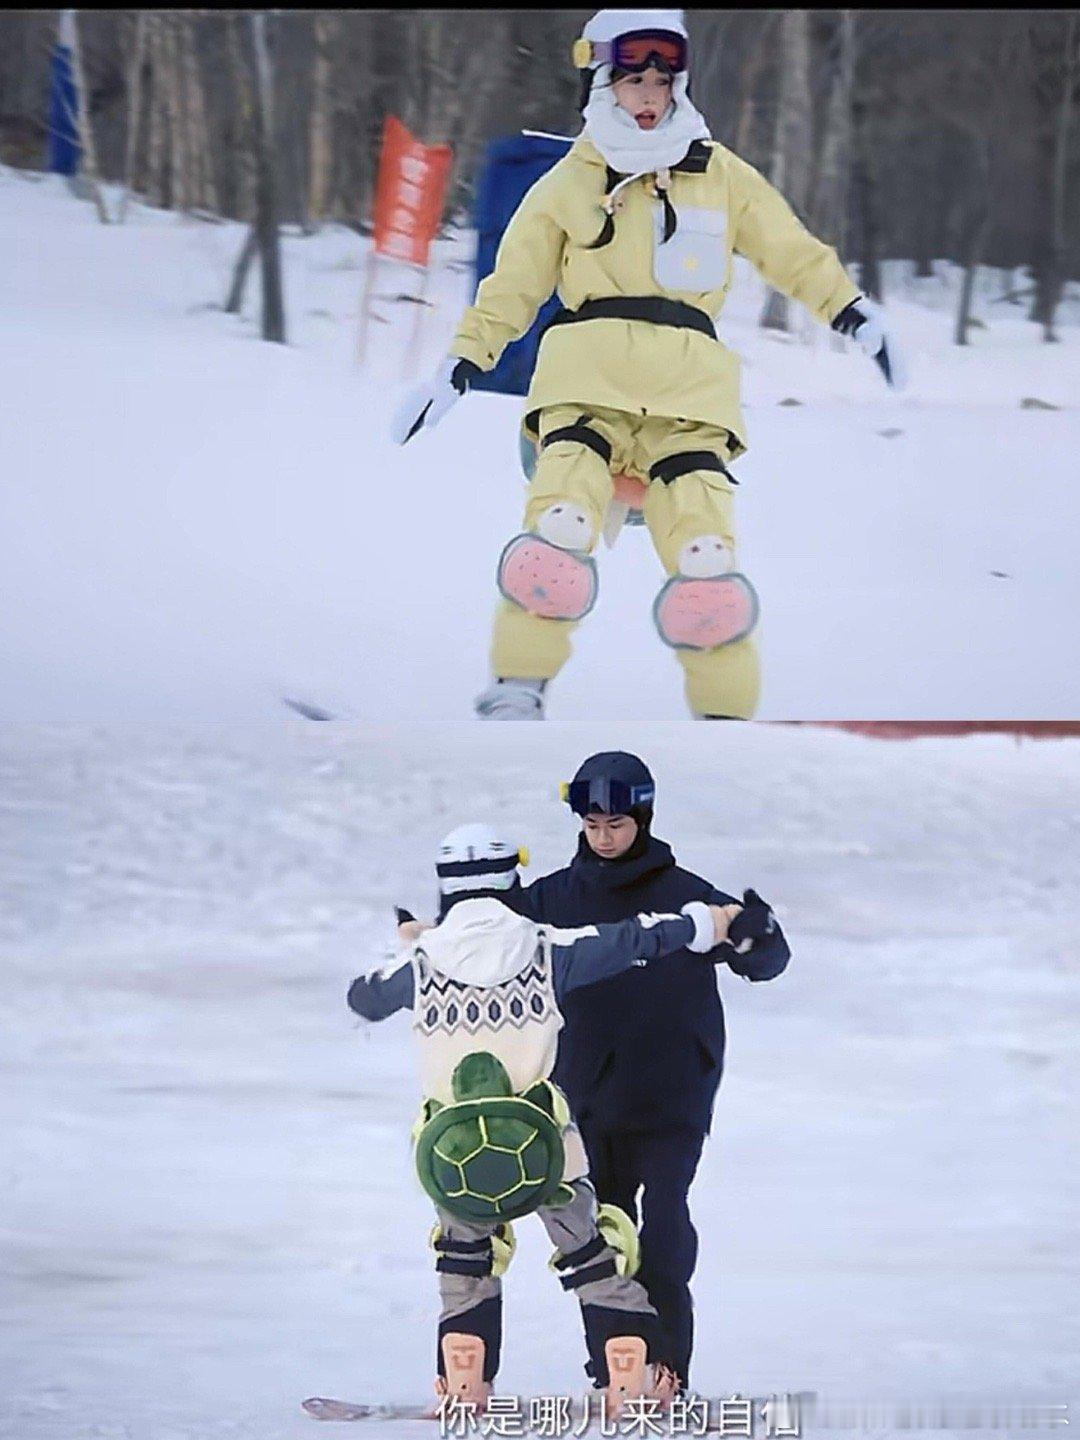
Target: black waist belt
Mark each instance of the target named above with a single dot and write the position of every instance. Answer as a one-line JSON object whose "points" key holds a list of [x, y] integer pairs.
{"points": [[653, 308]]}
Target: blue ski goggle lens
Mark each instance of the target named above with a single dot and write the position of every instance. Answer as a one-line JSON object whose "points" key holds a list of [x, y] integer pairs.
{"points": [[608, 797]]}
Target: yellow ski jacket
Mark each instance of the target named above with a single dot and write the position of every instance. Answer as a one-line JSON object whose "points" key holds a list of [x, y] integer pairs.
{"points": [[635, 365]]}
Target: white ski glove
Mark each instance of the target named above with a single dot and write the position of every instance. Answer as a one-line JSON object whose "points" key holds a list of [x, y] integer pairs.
{"points": [[425, 406], [865, 323]]}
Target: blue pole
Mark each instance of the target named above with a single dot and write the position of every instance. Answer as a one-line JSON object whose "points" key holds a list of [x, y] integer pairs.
{"points": [[64, 147]]}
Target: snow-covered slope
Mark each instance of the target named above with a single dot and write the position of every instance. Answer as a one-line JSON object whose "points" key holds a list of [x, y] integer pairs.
{"points": [[194, 521], [208, 1209]]}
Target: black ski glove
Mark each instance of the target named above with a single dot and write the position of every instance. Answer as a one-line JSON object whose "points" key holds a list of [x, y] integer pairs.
{"points": [[464, 375], [754, 922]]}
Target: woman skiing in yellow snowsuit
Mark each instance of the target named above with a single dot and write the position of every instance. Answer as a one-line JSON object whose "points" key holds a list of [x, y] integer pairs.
{"points": [[635, 229]]}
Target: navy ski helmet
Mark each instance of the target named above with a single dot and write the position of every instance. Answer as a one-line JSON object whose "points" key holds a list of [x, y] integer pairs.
{"points": [[613, 783]]}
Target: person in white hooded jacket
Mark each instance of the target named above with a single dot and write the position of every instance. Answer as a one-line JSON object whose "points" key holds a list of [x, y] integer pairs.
{"points": [[487, 979]]}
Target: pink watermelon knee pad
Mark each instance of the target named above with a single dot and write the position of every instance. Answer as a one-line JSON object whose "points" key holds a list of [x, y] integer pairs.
{"points": [[704, 614], [546, 581]]}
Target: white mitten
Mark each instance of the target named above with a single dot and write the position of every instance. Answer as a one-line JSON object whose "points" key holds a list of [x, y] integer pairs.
{"points": [[424, 406], [865, 323]]}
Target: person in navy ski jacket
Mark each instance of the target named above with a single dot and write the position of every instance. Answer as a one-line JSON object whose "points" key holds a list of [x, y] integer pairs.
{"points": [[640, 1058]]}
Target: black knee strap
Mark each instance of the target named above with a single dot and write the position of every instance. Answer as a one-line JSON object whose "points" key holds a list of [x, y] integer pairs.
{"points": [[463, 1247], [589, 1251], [602, 1270], [584, 434], [672, 466], [478, 1266]]}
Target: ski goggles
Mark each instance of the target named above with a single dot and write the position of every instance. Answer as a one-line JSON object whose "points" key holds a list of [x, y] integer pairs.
{"points": [[635, 51], [609, 797]]}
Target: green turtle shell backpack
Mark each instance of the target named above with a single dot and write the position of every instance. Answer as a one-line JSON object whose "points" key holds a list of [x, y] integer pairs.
{"points": [[491, 1155]]}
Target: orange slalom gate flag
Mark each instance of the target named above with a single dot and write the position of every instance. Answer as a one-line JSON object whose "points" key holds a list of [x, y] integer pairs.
{"points": [[409, 194]]}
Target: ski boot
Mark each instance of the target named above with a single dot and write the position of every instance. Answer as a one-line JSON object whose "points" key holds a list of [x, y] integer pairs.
{"points": [[512, 700], [463, 1383]]}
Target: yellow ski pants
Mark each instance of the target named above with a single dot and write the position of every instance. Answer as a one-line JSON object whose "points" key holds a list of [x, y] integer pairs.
{"points": [[723, 681]]}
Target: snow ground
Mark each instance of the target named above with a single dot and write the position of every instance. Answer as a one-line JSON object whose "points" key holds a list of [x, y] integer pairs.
{"points": [[194, 522], [208, 1210]]}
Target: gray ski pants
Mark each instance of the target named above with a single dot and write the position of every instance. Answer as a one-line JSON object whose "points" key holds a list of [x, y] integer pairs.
{"points": [[569, 1227]]}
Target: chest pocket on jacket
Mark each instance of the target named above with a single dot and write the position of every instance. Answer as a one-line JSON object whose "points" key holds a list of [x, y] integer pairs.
{"points": [[695, 258]]}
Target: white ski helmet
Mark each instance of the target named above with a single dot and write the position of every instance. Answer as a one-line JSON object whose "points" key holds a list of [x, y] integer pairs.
{"points": [[592, 50], [477, 857]]}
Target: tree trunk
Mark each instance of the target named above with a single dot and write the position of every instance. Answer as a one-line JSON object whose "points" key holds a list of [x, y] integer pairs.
{"points": [[266, 220], [484, 73], [864, 204], [170, 79], [234, 301], [1054, 273], [974, 248], [88, 168], [750, 76], [320, 157], [976, 232], [134, 109], [245, 110], [829, 210], [202, 185], [157, 121], [794, 128]]}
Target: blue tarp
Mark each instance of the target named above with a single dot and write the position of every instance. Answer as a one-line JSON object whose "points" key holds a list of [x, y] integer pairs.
{"points": [[65, 152], [511, 166]]}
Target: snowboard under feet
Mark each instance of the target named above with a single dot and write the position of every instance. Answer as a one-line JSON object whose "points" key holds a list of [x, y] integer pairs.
{"points": [[320, 1408]]}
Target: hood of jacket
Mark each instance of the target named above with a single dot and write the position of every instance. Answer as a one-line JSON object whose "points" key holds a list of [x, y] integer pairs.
{"points": [[481, 942], [628, 149], [646, 857]]}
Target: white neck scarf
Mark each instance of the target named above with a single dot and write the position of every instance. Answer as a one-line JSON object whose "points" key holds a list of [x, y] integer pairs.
{"points": [[628, 149]]}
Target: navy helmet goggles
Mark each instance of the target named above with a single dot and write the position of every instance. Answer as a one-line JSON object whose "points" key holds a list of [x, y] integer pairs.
{"points": [[606, 795]]}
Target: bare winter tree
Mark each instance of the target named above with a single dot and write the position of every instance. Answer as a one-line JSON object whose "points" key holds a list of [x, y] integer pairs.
{"points": [[134, 106], [201, 183], [325, 32], [266, 219], [179, 169], [832, 172], [961, 88], [897, 154], [244, 104], [156, 161], [756, 60], [1051, 69], [793, 147], [88, 169]]}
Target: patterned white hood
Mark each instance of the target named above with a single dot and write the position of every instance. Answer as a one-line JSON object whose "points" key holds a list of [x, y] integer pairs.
{"points": [[483, 982], [481, 942]]}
